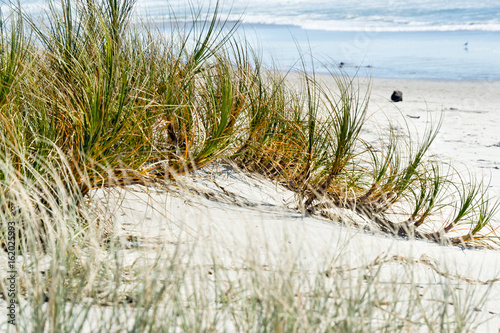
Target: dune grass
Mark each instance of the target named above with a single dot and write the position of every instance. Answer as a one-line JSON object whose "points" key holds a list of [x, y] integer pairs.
{"points": [[90, 101], [124, 105]]}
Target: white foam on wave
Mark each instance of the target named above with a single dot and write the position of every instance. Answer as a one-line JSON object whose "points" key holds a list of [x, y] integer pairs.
{"points": [[350, 15], [316, 21], [341, 15], [369, 25]]}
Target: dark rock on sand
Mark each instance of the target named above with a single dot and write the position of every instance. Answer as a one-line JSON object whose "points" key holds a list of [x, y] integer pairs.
{"points": [[397, 96]]}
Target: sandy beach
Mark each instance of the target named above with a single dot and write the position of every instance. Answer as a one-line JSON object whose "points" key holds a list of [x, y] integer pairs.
{"points": [[471, 118], [172, 169], [249, 228], [219, 218], [239, 221]]}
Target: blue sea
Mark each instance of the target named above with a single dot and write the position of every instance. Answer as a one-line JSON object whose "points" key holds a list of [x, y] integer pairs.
{"points": [[424, 39]]}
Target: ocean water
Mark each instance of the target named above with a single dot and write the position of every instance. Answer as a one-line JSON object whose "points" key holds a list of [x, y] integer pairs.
{"points": [[350, 15], [425, 39]]}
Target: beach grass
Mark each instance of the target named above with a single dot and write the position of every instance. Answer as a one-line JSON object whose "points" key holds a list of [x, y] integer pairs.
{"points": [[91, 102]]}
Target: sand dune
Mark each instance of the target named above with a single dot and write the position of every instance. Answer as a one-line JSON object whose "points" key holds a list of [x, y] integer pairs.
{"points": [[238, 218]]}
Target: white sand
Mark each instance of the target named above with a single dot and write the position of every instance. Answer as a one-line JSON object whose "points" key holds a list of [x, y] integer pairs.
{"points": [[234, 219], [470, 132], [239, 221], [246, 218]]}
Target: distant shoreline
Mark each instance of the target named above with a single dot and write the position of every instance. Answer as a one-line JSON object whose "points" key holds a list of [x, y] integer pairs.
{"points": [[421, 80], [428, 55]]}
